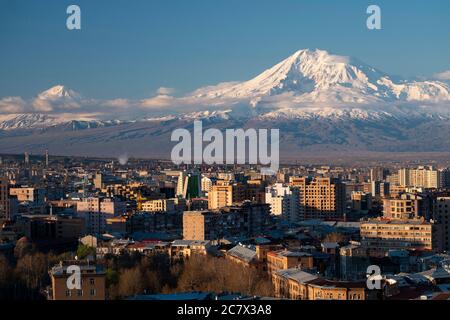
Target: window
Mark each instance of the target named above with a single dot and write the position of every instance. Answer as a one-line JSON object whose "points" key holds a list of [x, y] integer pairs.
{"points": [[80, 293], [92, 281], [92, 292], [68, 293]]}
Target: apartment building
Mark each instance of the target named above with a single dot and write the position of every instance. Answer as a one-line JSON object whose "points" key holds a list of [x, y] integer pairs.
{"points": [[284, 201], [158, 205], [296, 284], [95, 211], [5, 212], [361, 201], [381, 235], [404, 207], [286, 259], [425, 177], [93, 280], [441, 214], [39, 227], [28, 194], [220, 195], [320, 198], [247, 219]]}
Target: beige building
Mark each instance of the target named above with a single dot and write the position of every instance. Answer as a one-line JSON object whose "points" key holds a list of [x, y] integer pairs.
{"points": [[295, 284], [320, 198], [158, 205], [424, 177], [194, 224], [285, 259], [95, 211], [92, 282], [28, 194], [380, 235], [220, 195], [206, 185], [404, 207], [361, 201]]}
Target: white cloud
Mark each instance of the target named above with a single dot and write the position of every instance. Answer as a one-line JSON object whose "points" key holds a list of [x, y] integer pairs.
{"points": [[13, 105], [165, 91], [445, 75]]}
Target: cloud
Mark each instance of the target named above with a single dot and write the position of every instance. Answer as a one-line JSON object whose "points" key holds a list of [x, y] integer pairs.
{"points": [[445, 75], [165, 91], [10, 105]]}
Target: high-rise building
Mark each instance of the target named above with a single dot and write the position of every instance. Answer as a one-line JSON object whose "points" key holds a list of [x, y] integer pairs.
{"points": [[284, 201], [220, 195], [378, 174], [379, 236], [361, 201], [159, 205], [189, 185], [26, 158], [402, 227], [445, 178], [246, 220], [320, 198], [404, 207], [206, 185], [46, 158], [5, 213], [28, 194], [98, 182], [441, 214], [422, 177], [95, 211]]}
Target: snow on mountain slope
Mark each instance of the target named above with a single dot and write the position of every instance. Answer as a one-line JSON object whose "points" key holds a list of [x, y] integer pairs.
{"points": [[319, 77], [59, 92], [27, 121]]}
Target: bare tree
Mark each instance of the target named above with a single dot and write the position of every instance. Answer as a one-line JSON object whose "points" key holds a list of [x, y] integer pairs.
{"points": [[130, 282]]}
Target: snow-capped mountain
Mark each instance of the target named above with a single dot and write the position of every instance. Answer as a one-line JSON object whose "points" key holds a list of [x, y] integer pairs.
{"points": [[318, 100], [319, 77], [59, 92], [27, 121]]}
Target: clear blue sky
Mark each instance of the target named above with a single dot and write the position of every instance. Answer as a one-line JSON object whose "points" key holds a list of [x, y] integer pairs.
{"points": [[130, 48]]}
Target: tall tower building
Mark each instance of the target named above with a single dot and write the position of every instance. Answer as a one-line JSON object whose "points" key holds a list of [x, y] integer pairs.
{"points": [[320, 198], [189, 185], [46, 158], [284, 201], [220, 195], [27, 158], [4, 199]]}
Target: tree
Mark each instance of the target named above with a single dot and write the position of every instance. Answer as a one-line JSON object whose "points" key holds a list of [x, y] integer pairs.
{"points": [[130, 282], [5, 272], [335, 237], [23, 247], [32, 270], [84, 251]]}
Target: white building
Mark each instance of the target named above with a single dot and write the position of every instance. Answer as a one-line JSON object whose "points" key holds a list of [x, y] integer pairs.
{"points": [[206, 185], [424, 177], [284, 201], [96, 210]]}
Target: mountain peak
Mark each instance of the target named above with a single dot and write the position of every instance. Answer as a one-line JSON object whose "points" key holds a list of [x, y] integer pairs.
{"points": [[58, 92], [317, 76]]}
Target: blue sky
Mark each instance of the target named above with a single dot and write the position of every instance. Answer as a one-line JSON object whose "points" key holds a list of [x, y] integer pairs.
{"points": [[129, 48]]}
